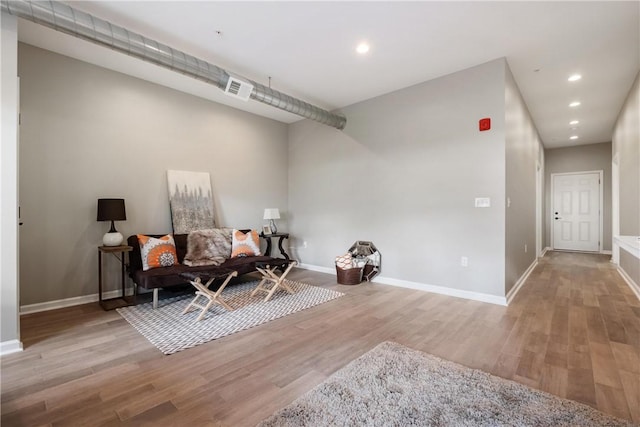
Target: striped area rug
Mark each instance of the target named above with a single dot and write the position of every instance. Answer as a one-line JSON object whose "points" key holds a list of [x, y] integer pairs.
{"points": [[171, 331]]}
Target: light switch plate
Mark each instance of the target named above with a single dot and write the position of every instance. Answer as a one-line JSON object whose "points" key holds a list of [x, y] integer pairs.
{"points": [[483, 202]]}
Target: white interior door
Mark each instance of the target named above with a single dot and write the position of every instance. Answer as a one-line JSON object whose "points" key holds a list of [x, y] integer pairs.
{"points": [[576, 211]]}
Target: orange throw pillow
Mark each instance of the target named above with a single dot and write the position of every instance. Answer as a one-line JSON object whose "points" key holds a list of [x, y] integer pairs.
{"points": [[245, 244], [157, 252]]}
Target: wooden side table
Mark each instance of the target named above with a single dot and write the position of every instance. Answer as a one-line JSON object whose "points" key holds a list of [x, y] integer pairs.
{"points": [[124, 300], [281, 237]]}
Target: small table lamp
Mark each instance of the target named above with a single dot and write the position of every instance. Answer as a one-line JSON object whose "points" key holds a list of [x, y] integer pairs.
{"points": [[111, 210], [271, 214]]}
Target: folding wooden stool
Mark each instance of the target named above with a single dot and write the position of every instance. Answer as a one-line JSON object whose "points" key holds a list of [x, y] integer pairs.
{"points": [[202, 290], [270, 277]]}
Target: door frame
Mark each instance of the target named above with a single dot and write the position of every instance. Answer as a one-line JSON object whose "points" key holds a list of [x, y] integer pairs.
{"points": [[615, 208], [539, 213], [600, 211]]}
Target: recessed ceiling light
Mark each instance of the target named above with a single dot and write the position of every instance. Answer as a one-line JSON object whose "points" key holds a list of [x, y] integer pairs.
{"points": [[573, 137], [574, 122], [574, 77], [574, 104], [362, 48]]}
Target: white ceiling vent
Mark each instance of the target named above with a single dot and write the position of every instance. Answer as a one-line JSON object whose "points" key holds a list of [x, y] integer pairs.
{"points": [[238, 88]]}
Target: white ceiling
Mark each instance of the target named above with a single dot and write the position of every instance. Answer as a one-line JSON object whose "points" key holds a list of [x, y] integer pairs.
{"points": [[308, 48]]}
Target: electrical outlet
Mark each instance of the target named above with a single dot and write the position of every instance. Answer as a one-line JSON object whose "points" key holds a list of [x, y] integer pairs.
{"points": [[483, 202], [464, 261]]}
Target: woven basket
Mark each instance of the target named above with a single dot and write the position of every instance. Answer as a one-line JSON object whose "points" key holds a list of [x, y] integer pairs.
{"points": [[352, 276]]}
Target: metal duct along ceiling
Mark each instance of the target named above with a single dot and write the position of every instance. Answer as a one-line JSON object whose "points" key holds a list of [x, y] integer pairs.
{"points": [[63, 18]]}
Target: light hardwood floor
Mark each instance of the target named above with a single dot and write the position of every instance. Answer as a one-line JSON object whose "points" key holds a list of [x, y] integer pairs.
{"points": [[573, 330]]}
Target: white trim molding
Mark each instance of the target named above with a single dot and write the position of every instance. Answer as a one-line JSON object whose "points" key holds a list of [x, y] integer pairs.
{"points": [[452, 292], [615, 205], [544, 251], [516, 288], [317, 268], [630, 244], [8, 347], [458, 293], [601, 208], [68, 302], [633, 285]]}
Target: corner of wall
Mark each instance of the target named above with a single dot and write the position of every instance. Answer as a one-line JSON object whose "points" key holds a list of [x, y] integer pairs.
{"points": [[626, 134], [523, 203], [9, 316], [9, 347]]}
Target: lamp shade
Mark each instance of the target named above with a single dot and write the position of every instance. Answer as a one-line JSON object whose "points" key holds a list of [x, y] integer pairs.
{"points": [[271, 213], [111, 210]]}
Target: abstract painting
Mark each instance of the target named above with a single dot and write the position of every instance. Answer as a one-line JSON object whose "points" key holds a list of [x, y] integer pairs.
{"points": [[191, 201]]}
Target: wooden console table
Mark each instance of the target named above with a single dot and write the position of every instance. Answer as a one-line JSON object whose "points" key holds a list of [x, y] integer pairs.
{"points": [[281, 237], [124, 300]]}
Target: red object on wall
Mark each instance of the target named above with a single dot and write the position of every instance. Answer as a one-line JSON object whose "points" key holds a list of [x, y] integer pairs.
{"points": [[485, 124]]}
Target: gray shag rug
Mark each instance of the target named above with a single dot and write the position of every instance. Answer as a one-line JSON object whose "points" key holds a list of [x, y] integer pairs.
{"points": [[393, 385]]}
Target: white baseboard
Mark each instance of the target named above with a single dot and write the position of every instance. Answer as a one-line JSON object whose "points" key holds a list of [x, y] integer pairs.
{"points": [[459, 293], [68, 302], [516, 288], [317, 268], [452, 292], [8, 347], [633, 285], [630, 244], [548, 248]]}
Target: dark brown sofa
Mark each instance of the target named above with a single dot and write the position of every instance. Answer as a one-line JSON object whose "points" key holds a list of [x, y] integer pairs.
{"points": [[167, 277]]}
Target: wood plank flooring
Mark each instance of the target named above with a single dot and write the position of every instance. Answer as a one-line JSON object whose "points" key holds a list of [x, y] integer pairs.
{"points": [[573, 330]]}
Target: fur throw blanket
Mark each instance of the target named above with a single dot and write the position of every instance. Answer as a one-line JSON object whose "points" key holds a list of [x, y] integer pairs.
{"points": [[208, 247]]}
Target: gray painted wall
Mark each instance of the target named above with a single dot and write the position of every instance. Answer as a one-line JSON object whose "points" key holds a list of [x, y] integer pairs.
{"points": [[9, 320], [575, 159], [88, 133], [626, 144], [404, 174], [523, 154]]}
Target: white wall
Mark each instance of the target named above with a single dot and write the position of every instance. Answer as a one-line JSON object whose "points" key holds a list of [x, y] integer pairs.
{"points": [[626, 144], [404, 174], [9, 318], [88, 133], [523, 153]]}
